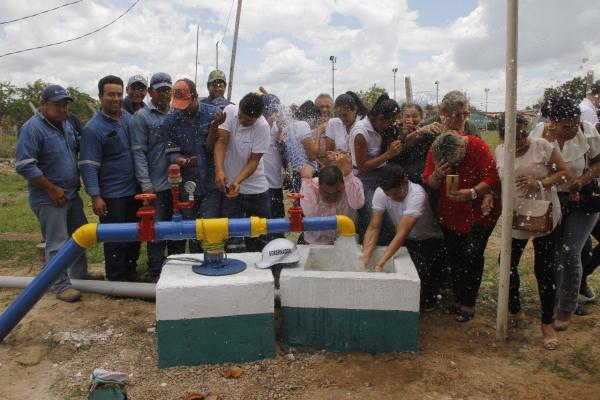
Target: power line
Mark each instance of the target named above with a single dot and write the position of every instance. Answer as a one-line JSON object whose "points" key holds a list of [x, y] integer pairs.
{"points": [[227, 23], [40, 13], [75, 38]]}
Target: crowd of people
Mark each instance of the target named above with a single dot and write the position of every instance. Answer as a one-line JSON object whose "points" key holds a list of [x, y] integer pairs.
{"points": [[430, 185]]}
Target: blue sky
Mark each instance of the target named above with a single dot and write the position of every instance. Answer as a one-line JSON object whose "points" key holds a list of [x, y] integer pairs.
{"points": [[285, 46]]}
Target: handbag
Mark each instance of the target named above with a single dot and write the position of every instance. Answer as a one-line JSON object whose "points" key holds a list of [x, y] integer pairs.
{"points": [[532, 215]]}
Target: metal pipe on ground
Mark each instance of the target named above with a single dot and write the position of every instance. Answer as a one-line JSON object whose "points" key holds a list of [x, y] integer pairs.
{"points": [[109, 288]]}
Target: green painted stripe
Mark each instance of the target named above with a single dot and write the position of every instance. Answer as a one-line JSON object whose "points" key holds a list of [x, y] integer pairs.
{"points": [[345, 330], [216, 340]]}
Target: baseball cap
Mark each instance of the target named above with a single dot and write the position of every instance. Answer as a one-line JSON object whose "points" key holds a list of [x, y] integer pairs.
{"points": [[160, 79], [182, 96], [278, 251], [56, 93], [137, 78], [216, 75]]}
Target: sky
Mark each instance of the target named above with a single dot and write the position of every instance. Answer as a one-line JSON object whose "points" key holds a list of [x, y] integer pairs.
{"points": [[285, 46]]}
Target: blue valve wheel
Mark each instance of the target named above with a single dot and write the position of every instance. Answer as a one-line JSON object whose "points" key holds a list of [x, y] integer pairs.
{"points": [[227, 266]]}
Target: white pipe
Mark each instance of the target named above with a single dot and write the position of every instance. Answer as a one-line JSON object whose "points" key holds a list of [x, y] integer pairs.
{"points": [[508, 178], [109, 288]]}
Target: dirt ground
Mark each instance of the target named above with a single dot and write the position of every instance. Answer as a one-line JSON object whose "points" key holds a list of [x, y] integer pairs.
{"points": [[51, 353]]}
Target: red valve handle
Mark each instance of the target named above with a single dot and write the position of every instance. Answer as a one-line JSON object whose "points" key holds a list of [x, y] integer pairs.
{"points": [[145, 196], [295, 196]]}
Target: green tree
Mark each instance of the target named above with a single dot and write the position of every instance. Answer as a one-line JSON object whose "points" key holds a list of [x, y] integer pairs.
{"points": [[574, 88], [370, 96]]}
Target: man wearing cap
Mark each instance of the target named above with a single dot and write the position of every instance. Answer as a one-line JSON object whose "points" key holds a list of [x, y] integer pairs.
{"points": [[47, 158], [191, 132], [108, 173], [239, 169], [216, 85], [137, 87], [151, 164]]}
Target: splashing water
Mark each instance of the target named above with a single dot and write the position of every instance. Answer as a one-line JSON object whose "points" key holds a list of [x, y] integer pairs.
{"points": [[347, 253]]}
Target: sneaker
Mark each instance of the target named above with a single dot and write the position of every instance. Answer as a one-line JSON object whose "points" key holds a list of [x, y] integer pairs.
{"points": [[69, 295], [587, 296]]}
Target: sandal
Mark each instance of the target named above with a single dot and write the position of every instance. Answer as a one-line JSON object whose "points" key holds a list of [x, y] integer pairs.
{"points": [[561, 325], [550, 342], [464, 316]]}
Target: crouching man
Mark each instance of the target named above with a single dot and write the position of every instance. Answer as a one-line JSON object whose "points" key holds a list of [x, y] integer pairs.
{"points": [[336, 191], [408, 207]]}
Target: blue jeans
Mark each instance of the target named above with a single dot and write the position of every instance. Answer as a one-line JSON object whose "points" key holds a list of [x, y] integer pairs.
{"points": [[120, 259], [244, 206], [156, 249], [58, 224], [575, 228]]}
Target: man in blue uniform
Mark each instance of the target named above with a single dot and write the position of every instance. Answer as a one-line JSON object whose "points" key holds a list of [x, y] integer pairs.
{"points": [[47, 157], [137, 87], [109, 175], [216, 85]]}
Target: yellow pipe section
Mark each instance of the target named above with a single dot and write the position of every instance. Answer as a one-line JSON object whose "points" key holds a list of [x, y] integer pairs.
{"points": [[212, 230], [258, 226], [86, 235], [345, 225]]}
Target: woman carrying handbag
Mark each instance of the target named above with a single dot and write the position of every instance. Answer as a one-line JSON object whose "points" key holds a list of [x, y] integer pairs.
{"points": [[579, 144], [538, 168]]}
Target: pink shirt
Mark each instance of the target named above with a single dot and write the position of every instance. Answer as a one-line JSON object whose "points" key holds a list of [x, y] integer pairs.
{"points": [[313, 205]]}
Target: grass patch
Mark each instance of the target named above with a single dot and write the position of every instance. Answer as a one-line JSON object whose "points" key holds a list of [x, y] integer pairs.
{"points": [[8, 146], [491, 138], [17, 253], [555, 367]]}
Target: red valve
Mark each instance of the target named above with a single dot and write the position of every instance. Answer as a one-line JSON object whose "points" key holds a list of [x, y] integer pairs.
{"points": [[146, 214], [295, 212]]}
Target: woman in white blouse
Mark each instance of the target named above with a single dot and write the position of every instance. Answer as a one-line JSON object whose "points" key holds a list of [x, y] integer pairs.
{"points": [[348, 110], [538, 168], [579, 144]]}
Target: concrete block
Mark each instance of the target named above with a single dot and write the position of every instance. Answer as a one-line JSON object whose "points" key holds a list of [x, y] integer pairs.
{"points": [[323, 306], [214, 319]]}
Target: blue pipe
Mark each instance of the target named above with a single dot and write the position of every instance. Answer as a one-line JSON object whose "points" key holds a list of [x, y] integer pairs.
{"points": [[128, 232], [38, 286]]}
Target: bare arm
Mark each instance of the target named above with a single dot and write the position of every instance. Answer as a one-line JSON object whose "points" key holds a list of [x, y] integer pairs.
{"points": [[371, 236], [402, 230], [219, 154], [360, 149], [213, 129]]}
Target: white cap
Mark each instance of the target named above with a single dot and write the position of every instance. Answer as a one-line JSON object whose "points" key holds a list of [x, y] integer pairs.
{"points": [[278, 251]]}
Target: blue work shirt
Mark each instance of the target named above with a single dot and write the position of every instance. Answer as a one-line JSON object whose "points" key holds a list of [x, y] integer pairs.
{"points": [[220, 102], [106, 161], [43, 149], [128, 105], [148, 145], [187, 137]]}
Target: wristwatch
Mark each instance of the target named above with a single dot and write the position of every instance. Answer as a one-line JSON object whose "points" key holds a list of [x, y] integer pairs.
{"points": [[473, 194]]}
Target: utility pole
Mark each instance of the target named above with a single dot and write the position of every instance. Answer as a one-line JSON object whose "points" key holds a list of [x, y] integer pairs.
{"points": [[217, 53], [408, 87], [197, 36], [333, 59], [486, 110], [394, 70], [437, 94], [234, 48]]}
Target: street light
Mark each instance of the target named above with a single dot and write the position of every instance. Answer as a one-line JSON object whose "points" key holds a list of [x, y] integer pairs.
{"points": [[333, 59], [437, 94], [486, 110], [394, 70]]}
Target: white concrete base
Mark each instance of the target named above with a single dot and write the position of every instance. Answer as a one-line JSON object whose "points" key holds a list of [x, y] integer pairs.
{"points": [[318, 282], [214, 319]]}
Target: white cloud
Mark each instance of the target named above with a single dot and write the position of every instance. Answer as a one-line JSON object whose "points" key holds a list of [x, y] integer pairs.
{"points": [[285, 46]]}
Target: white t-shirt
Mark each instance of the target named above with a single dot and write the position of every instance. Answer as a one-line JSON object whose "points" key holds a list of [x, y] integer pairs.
{"points": [[574, 150], [374, 139], [243, 141], [415, 204], [272, 161], [589, 113], [336, 131], [535, 162]]}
